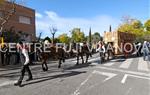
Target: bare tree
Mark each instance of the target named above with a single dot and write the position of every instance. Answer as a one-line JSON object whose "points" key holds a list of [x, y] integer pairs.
{"points": [[53, 31], [127, 19], [8, 13], [39, 38]]}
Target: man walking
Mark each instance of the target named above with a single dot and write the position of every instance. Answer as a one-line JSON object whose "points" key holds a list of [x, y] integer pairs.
{"points": [[101, 49], [25, 67], [145, 51], [61, 55]]}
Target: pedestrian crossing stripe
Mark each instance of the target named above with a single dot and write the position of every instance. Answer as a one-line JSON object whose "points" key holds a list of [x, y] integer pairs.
{"points": [[142, 65], [126, 64], [109, 64]]}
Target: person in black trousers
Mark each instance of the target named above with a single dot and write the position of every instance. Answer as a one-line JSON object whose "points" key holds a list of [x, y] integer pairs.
{"points": [[61, 55], [3, 55], [2, 58], [25, 65]]}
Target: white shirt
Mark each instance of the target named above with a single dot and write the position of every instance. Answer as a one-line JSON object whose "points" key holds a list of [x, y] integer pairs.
{"points": [[25, 54], [101, 49]]}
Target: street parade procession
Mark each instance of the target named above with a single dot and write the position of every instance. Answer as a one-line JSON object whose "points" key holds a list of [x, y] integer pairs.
{"points": [[57, 48]]}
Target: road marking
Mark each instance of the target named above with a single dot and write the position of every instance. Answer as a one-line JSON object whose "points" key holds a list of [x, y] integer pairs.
{"points": [[109, 64], [109, 75], [125, 71], [127, 93], [76, 92], [142, 65], [94, 63], [126, 76], [90, 60], [126, 64], [94, 59], [7, 83]]}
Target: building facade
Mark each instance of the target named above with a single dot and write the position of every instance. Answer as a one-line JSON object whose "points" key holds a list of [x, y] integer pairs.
{"points": [[117, 38], [22, 22]]}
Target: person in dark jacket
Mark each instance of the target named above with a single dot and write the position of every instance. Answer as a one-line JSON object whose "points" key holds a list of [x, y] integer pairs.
{"points": [[61, 55], [25, 67]]}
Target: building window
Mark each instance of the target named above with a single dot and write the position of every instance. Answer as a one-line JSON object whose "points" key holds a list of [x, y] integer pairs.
{"points": [[25, 20]]}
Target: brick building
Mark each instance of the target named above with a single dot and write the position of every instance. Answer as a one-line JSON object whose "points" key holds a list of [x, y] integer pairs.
{"points": [[23, 21]]}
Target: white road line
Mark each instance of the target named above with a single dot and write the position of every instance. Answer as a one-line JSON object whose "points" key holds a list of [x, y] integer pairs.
{"points": [[109, 64], [124, 78], [7, 83], [109, 75], [94, 63], [76, 92], [126, 64], [128, 91], [125, 71], [93, 59], [127, 75], [90, 60], [142, 65]]}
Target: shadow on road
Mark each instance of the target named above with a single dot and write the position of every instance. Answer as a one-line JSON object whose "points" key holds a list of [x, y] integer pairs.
{"points": [[46, 78], [79, 66]]}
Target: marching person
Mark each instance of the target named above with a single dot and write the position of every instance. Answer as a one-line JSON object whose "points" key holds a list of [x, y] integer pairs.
{"points": [[3, 57], [101, 50], [25, 67], [139, 47], [61, 55], [145, 51], [86, 51]]}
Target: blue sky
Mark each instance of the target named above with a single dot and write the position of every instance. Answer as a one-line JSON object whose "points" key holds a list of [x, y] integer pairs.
{"points": [[97, 14]]}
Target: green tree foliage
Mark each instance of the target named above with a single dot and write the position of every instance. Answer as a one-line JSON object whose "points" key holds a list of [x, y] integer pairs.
{"points": [[147, 30], [133, 26], [64, 38], [56, 40], [77, 35], [95, 37], [147, 25], [137, 28], [125, 28]]}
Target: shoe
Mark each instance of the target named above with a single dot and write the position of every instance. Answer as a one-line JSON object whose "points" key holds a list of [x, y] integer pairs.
{"points": [[17, 84], [29, 79], [59, 66], [86, 62], [63, 60]]}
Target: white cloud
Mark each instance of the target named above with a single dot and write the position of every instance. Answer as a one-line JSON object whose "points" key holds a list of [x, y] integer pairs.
{"points": [[38, 15], [99, 23]]}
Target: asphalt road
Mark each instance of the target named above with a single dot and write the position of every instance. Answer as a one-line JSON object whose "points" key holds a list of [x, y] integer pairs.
{"points": [[116, 77]]}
